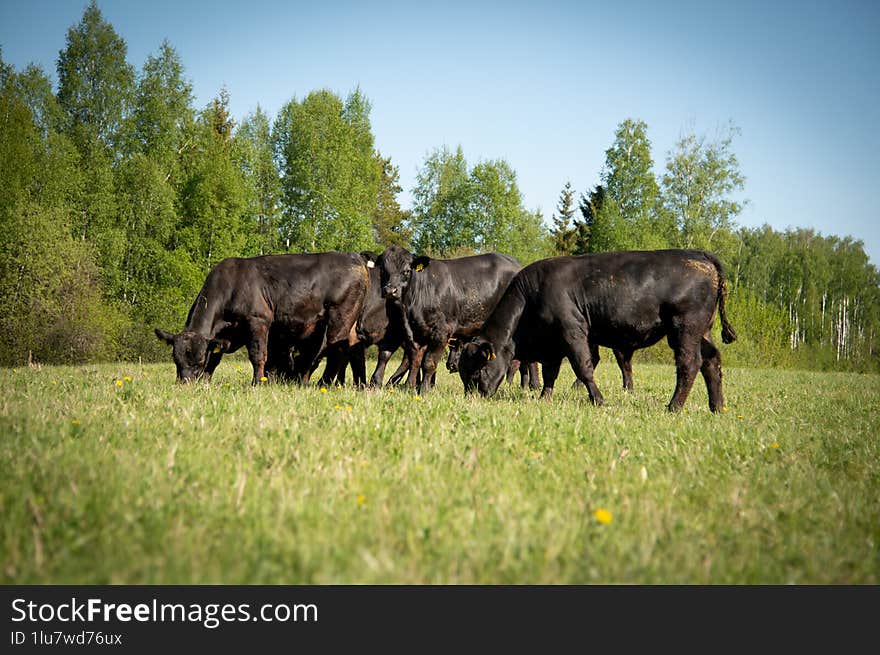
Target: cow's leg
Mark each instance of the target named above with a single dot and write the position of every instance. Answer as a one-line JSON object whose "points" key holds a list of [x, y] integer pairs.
{"points": [[305, 359], [512, 369], [258, 348], [381, 362], [357, 359], [711, 370], [337, 358], [581, 359], [416, 355], [433, 353], [401, 371], [534, 376], [551, 372], [688, 361], [595, 357], [624, 361], [213, 362]]}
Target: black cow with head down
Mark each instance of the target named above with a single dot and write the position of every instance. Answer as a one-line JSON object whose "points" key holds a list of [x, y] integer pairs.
{"points": [[561, 307], [283, 308], [441, 299]]}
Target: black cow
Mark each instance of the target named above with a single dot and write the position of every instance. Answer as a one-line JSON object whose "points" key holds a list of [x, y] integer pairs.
{"points": [[561, 307], [284, 308], [442, 298], [528, 372]]}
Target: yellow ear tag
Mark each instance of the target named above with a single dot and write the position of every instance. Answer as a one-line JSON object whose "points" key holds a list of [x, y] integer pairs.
{"points": [[419, 267], [491, 357], [216, 349]]}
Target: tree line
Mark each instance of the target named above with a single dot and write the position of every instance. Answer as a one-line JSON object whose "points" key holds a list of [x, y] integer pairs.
{"points": [[118, 194]]}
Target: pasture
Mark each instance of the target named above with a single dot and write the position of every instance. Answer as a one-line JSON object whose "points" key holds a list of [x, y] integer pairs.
{"points": [[114, 474]]}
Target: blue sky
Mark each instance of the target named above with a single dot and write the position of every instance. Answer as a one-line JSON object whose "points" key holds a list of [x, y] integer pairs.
{"points": [[544, 84]]}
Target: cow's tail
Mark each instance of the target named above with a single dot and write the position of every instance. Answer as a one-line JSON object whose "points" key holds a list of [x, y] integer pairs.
{"points": [[728, 334]]}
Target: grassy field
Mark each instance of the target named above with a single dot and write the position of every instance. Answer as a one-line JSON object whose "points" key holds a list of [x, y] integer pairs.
{"points": [[115, 474]]}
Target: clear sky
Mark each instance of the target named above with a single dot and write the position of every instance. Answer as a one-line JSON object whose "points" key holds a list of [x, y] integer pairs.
{"points": [[544, 84]]}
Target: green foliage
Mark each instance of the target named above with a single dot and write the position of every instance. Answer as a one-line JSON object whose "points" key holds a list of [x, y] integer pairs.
{"points": [[329, 178], [565, 231], [442, 221], [253, 151], [389, 220], [459, 211], [95, 82], [152, 482], [52, 307], [700, 177], [628, 217]]}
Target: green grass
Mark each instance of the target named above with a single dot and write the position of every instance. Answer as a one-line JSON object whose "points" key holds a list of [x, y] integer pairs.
{"points": [[155, 483]]}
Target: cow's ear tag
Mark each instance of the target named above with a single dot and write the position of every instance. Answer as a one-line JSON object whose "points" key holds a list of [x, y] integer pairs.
{"points": [[216, 349], [371, 265], [491, 356], [419, 267]]}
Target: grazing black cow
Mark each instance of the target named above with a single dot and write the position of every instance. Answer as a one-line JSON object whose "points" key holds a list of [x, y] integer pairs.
{"points": [[442, 298], [562, 306], [528, 372], [284, 308]]}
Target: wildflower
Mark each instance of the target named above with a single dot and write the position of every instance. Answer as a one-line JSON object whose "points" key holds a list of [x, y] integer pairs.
{"points": [[740, 416], [323, 389], [338, 407], [264, 379], [417, 398], [603, 516], [361, 500], [391, 391], [118, 383], [724, 409], [775, 445], [127, 378], [75, 421], [348, 408], [54, 381]]}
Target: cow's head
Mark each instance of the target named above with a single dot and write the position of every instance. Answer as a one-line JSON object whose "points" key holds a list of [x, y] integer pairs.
{"points": [[396, 268], [192, 353], [480, 367]]}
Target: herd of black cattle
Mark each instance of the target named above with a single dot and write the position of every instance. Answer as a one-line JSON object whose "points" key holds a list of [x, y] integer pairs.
{"points": [[497, 317]]}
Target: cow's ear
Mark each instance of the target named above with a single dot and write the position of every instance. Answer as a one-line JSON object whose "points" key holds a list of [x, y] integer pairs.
{"points": [[369, 258], [167, 337], [216, 346], [487, 351], [419, 263]]}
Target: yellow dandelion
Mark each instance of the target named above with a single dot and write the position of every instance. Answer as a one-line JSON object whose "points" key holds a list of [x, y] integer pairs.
{"points": [[740, 416], [323, 389], [127, 378], [118, 383], [264, 379], [417, 397], [75, 421], [775, 445], [54, 381], [391, 391], [724, 409], [603, 516], [338, 406], [348, 408], [361, 500]]}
